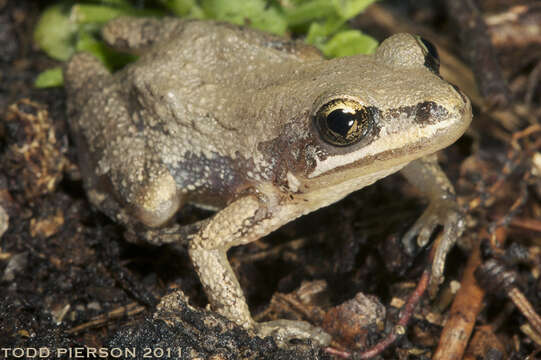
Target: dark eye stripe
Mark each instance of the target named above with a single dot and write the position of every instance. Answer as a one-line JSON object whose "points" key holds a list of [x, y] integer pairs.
{"points": [[432, 58]]}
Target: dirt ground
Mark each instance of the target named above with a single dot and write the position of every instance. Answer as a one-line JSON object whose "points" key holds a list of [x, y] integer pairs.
{"points": [[69, 282]]}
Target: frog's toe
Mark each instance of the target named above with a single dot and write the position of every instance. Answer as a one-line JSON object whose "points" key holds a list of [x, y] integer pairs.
{"points": [[442, 213], [447, 214], [410, 240], [453, 228], [421, 231], [283, 331]]}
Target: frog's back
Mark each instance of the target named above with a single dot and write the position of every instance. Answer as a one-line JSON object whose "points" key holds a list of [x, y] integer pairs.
{"points": [[198, 93], [211, 71], [173, 124]]}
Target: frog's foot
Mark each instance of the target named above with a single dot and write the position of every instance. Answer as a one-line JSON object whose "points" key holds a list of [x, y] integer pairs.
{"points": [[283, 331], [443, 212]]}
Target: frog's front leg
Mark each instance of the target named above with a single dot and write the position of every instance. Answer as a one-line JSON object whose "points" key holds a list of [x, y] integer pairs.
{"points": [[443, 209], [243, 221]]}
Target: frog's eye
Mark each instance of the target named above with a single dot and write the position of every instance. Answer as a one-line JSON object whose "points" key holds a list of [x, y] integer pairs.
{"points": [[432, 59], [343, 122]]}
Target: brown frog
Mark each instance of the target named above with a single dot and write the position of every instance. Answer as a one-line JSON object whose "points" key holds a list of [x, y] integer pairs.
{"points": [[261, 129]]}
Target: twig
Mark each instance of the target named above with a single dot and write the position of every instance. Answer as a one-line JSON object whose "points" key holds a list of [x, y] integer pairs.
{"points": [[528, 224], [296, 305], [511, 213], [525, 308], [517, 135], [468, 301], [533, 83], [467, 305], [494, 276], [128, 310]]}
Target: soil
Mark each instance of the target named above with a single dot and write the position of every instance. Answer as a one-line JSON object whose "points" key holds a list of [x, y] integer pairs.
{"points": [[70, 282]]}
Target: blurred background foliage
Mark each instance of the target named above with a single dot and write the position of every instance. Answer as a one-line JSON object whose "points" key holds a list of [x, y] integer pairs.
{"points": [[70, 26]]}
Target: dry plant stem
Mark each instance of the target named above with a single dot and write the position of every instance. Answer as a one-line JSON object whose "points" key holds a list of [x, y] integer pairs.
{"points": [[532, 129], [399, 328], [128, 310], [512, 25], [468, 302], [475, 40], [525, 308], [296, 305], [513, 211], [527, 224], [516, 31], [466, 306], [518, 298], [532, 334], [487, 196], [533, 83]]}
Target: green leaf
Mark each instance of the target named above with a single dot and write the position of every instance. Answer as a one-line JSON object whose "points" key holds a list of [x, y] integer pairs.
{"points": [[50, 78], [254, 13], [308, 11], [58, 27], [86, 13], [348, 9], [112, 59], [55, 32], [184, 8], [100, 14], [318, 33], [349, 42], [66, 28], [124, 3]]}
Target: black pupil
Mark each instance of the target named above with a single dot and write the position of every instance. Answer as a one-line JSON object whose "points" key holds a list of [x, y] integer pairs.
{"points": [[340, 122]]}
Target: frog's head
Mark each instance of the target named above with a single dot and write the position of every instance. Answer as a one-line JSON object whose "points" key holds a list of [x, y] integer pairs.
{"points": [[378, 113]]}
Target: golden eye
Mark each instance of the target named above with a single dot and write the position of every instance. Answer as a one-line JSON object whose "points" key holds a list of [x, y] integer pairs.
{"points": [[343, 122]]}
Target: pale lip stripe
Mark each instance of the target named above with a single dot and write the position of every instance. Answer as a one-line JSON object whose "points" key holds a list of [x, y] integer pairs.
{"points": [[388, 142]]}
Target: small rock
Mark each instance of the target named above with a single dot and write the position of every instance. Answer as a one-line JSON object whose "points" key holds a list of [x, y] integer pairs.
{"points": [[16, 264], [355, 319]]}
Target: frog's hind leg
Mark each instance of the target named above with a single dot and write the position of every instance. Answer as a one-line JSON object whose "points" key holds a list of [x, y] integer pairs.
{"points": [[135, 35], [115, 156]]}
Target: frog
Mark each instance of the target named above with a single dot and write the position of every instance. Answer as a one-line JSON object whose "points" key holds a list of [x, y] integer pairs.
{"points": [[260, 129]]}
